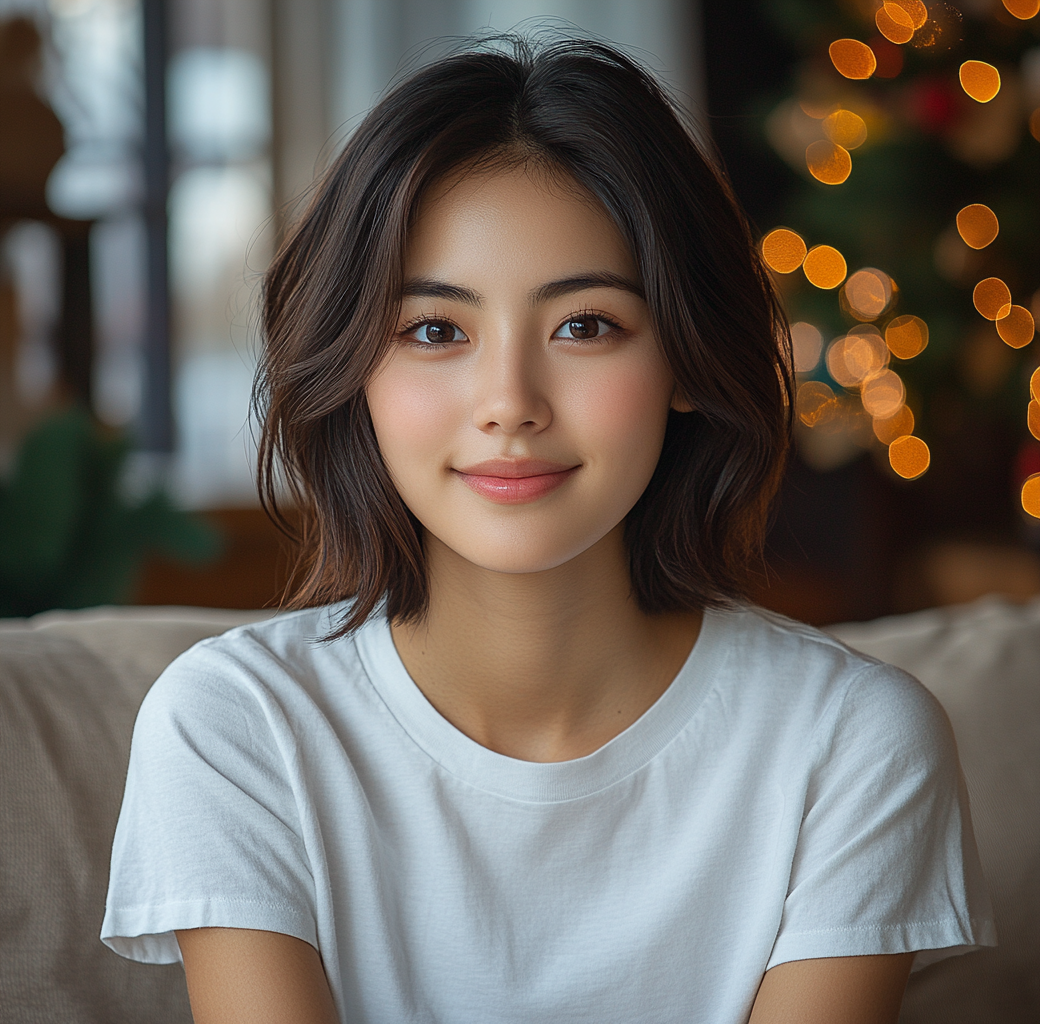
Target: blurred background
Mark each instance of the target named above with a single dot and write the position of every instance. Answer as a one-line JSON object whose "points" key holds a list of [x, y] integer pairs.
{"points": [[153, 151]]}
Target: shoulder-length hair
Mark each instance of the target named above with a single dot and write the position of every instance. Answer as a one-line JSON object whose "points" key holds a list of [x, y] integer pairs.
{"points": [[333, 291]]}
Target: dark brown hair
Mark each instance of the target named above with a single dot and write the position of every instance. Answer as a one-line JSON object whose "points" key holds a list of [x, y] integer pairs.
{"points": [[333, 291]]}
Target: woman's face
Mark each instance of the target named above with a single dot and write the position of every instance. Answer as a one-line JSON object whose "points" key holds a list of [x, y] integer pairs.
{"points": [[522, 406]]}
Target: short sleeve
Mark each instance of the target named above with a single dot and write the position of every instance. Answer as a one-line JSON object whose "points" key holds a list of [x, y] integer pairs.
{"points": [[209, 832], [886, 859]]}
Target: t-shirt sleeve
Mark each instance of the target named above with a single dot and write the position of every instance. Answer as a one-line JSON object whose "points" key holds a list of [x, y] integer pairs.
{"points": [[209, 833], [886, 860]]}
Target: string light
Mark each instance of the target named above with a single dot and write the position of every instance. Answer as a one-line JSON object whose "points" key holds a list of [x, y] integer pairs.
{"points": [[828, 162], [992, 298], [1034, 385], [807, 343], [815, 402], [1033, 418], [1017, 328], [977, 225], [845, 129], [888, 429], [783, 250], [1022, 9], [824, 267], [906, 337], [857, 357], [909, 456], [852, 58], [981, 81], [894, 23], [883, 395], [1031, 495], [917, 10], [868, 293]]}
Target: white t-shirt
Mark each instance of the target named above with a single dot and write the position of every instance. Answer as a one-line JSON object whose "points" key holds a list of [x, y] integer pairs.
{"points": [[785, 798]]}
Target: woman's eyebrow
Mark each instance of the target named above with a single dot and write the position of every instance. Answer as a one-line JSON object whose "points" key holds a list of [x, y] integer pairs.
{"points": [[427, 288], [597, 279]]}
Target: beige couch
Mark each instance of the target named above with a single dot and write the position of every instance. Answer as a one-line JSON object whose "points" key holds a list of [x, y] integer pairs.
{"points": [[70, 685]]}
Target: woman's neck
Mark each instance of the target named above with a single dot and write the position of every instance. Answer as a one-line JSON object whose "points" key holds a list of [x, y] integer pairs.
{"points": [[543, 666]]}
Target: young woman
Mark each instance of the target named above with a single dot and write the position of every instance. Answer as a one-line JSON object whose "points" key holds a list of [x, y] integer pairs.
{"points": [[525, 754]]}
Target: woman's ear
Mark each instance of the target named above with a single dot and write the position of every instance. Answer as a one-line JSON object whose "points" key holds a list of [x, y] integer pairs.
{"points": [[679, 403]]}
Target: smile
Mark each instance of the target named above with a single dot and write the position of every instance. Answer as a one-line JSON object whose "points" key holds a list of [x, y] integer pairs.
{"points": [[515, 483]]}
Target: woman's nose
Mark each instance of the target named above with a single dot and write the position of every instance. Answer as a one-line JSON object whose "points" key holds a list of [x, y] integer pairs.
{"points": [[510, 395]]}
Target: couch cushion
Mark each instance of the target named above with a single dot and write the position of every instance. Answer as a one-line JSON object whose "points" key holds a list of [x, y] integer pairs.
{"points": [[983, 663], [70, 687]]}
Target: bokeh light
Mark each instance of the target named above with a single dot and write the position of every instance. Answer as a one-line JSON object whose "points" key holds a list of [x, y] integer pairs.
{"points": [[1031, 495], [852, 58], [1033, 418], [828, 162], [868, 293], [906, 337], [909, 456], [916, 9], [807, 343], [981, 81], [856, 357], [846, 129], [977, 225], [992, 298], [824, 267], [894, 23], [888, 429], [1017, 328], [1023, 9], [883, 395], [1034, 385], [783, 250], [815, 403]]}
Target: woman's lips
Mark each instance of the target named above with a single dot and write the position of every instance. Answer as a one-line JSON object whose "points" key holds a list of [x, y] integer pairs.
{"points": [[515, 483]]}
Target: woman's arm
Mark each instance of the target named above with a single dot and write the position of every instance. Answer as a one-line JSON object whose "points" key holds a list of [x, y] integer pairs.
{"points": [[835, 990], [241, 976]]}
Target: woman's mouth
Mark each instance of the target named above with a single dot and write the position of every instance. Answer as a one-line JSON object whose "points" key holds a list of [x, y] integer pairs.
{"points": [[515, 482]]}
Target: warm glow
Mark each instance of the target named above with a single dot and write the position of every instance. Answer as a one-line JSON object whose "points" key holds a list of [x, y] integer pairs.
{"points": [[828, 162], [1017, 328], [807, 343], [844, 128], [992, 298], [1034, 124], [981, 81], [906, 337], [857, 357], [783, 250], [916, 9], [894, 23], [1031, 495], [868, 293], [852, 58], [1034, 385], [884, 395], [977, 225], [909, 456], [815, 403], [1033, 418], [1023, 9], [824, 266], [887, 430]]}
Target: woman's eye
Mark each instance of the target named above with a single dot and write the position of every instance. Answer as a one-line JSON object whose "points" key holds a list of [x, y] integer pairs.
{"points": [[436, 332], [584, 328]]}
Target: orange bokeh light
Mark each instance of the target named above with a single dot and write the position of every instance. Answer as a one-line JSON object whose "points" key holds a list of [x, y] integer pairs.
{"points": [[992, 298], [909, 456], [1023, 9], [894, 23], [1033, 418], [807, 343], [916, 9], [852, 58], [868, 293], [824, 266], [888, 429], [783, 250], [1017, 328], [1031, 495], [906, 337], [1034, 385], [981, 81], [977, 225], [828, 162], [883, 395], [846, 129], [857, 357], [815, 403]]}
